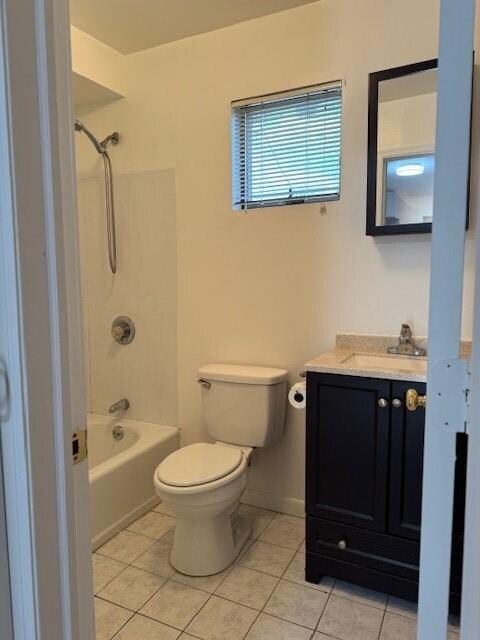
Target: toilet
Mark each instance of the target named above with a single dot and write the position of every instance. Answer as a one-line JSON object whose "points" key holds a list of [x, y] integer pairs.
{"points": [[243, 408]]}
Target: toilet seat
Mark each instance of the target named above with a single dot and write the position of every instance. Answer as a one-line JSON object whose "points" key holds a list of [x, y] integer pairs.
{"points": [[199, 464]]}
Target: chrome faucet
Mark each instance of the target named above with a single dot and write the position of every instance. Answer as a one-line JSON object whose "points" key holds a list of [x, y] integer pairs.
{"points": [[406, 345], [121, 405]]}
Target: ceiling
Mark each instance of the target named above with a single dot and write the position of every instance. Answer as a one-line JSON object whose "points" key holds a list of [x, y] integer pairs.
{"points": [[134, 25], [414, 84]]}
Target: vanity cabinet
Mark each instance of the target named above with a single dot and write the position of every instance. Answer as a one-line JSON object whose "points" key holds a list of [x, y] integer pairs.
{"points": [[364, 484]]}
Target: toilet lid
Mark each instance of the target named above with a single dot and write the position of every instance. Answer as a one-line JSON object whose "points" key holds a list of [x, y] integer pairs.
{"points": [[198, 464]]}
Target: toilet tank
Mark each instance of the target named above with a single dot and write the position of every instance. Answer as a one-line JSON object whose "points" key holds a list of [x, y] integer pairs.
{"points": [[243, 404]]}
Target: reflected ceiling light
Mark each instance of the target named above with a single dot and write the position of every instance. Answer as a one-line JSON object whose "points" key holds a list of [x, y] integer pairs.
{"points": [[410, 170]]}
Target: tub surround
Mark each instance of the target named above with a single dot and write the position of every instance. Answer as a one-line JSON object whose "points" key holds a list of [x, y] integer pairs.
{"points": [[340, 360]]}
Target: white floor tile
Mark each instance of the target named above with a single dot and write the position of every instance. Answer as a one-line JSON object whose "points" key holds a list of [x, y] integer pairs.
{"points": [[402, 607], [141, 628], [247, 587], [267, 558], [283, 517], [283, 534], [156, 560], [269, 628], [296, 573], [154, 525], [104, 570], [349, 620], [132, 588], [125, 546], [109, 618], [175, 604], [360, 594], [222, 620], [297, 604], [204, 583]]}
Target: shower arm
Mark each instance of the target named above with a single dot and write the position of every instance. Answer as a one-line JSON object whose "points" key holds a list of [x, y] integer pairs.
{"points": [[101, 148]]}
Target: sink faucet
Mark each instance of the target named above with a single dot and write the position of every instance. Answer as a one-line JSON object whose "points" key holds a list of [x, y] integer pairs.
{"points": [[406, 345], [121, 405]]}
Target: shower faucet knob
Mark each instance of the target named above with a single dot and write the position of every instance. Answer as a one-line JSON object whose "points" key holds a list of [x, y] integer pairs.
{"points": [[123, 330]]}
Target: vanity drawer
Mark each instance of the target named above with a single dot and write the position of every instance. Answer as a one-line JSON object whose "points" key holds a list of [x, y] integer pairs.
{"points": [[363, 548]]}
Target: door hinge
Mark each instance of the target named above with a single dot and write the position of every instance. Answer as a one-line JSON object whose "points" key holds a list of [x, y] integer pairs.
{"points": [[448, 400], [79, 446]]}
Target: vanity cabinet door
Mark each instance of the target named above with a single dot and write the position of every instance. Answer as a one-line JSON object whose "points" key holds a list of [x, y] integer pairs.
{"points": [[347, 449], [406, 463]]}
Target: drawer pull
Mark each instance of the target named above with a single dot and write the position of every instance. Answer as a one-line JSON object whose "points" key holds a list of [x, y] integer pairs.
{"points": [[342, 544], [396, 402], [383, 403]]}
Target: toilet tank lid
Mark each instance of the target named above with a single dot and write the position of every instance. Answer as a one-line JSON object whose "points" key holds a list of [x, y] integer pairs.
{"points": [[243, 373]]}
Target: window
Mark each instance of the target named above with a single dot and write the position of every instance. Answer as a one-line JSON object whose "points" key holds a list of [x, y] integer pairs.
{"points": [[286, 147]]}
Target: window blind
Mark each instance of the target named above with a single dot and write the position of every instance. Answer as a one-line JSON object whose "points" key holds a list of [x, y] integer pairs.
{"points": [[286, 148]]}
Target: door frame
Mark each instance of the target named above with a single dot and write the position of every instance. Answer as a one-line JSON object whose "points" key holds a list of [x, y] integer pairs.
{"points": [[447, 397], [46, 498], [41, 339], [6, 631]]}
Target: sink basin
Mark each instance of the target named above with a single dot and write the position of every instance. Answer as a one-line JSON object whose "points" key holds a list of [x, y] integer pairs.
{"points": [[396, 363]]}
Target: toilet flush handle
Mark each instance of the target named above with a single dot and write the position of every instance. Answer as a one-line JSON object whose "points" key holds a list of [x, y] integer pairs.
{"points": [[205, 383]]}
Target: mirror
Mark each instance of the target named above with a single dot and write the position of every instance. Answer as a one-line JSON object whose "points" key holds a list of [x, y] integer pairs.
{"points": [[401, 149]]}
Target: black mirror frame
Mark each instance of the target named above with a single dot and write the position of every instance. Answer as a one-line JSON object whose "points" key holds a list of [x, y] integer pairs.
{"points": [[374, 79]]}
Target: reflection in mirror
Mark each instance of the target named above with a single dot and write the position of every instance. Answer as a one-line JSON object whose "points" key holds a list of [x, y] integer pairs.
{"points": [[401, 150], [408, 189], [406, 126]]}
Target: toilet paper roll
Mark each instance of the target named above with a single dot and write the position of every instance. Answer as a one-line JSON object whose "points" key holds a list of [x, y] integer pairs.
{"points": [[297, 396]]}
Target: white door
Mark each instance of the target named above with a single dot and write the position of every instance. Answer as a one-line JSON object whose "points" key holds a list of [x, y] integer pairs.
{"points": [[448, 378], [6, 632], [46, 497]]}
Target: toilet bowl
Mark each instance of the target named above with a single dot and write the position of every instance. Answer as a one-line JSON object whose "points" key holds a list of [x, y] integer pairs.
{"points": [[202, 483]]}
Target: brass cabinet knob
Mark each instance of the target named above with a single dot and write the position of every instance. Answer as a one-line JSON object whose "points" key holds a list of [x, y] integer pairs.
{"points": [[382, 403], [413, 400], [342, 544]]}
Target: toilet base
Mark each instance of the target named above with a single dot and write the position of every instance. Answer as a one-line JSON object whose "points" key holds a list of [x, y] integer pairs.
{"points": [[203, 547]]}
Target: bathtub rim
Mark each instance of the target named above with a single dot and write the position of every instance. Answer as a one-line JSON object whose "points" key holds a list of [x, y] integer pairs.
{"points": [[149, 439]]}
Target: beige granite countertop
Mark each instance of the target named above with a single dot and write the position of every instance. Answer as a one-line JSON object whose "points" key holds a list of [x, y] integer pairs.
{"points": [[347, 344]]}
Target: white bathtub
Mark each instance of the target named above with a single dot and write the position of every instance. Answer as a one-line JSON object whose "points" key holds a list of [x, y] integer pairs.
{"points": [[121, 471]]}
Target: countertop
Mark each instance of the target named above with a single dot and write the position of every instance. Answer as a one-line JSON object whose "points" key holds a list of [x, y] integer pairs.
{"points": [[348, 344], [334, 362]]}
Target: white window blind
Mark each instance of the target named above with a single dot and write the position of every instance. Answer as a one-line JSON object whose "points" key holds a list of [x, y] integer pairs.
{"points": [[286, 148]]}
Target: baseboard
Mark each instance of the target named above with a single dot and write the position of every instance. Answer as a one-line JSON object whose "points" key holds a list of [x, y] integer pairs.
{"points": [[283, 504]]}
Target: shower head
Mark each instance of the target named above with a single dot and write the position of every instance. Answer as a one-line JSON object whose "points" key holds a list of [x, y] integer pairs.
{"points": [[81, 128]]}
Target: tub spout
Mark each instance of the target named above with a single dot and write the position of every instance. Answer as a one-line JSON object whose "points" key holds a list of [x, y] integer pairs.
{"points": [[121, 405]]}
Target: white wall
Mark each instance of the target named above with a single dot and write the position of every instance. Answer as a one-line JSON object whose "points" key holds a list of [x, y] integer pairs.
{"points": [[274, 286]]}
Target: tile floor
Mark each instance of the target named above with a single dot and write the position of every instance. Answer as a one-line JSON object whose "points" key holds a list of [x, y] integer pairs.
{"points": [[263, 596]]}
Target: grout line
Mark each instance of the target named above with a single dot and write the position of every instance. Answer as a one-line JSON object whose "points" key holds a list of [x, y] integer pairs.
{"points": [[115, 576], [365, 604], [238, 562], [197, 614], [381, 625]]}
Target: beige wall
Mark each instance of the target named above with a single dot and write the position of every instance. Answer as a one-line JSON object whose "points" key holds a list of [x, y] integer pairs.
{"points": [[274, 286]]}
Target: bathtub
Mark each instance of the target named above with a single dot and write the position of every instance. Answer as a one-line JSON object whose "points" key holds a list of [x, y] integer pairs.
{"points": [[121, 471]]}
